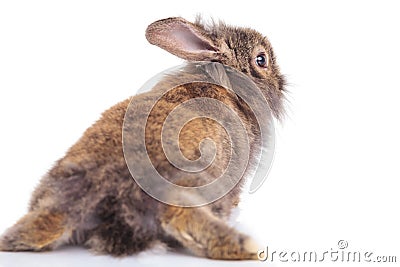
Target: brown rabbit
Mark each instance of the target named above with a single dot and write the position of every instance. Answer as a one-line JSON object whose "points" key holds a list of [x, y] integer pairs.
{"points": [[89, 197]]}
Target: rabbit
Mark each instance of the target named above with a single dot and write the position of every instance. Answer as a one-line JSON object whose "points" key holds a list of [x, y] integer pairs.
{"points": [[89, 198]]}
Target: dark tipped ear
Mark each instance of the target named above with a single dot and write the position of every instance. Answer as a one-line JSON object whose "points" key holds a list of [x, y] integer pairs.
{"points": [[182, 38]]}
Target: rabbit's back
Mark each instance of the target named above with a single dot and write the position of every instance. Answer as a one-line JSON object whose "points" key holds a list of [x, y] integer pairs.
{"points": [[93, 184]]}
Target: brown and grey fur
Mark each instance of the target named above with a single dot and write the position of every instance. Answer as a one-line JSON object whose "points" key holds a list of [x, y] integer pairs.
{"points": [[89, 197]]}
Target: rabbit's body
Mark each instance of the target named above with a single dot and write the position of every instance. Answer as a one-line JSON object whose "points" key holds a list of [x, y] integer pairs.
{"points": [[89, 197]]}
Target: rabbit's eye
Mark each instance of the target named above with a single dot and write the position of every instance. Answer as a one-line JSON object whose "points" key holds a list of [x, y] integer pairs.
{"points": [[261, 60]]}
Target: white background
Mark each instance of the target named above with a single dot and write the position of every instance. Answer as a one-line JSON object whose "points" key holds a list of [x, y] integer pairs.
{"points": [[336, 169]]}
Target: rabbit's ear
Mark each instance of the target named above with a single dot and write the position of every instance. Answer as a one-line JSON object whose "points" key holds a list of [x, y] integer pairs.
{"points": [[182, 38]]}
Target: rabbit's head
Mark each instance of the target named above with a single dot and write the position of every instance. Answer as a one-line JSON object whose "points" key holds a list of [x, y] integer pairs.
{"points": [[241, 48]]}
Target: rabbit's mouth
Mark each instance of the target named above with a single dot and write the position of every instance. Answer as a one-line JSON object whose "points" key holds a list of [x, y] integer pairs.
{"points": [[274, 94]]}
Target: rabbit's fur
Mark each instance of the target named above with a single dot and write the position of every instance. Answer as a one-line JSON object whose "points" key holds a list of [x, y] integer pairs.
{"points": [[89, 197]]}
